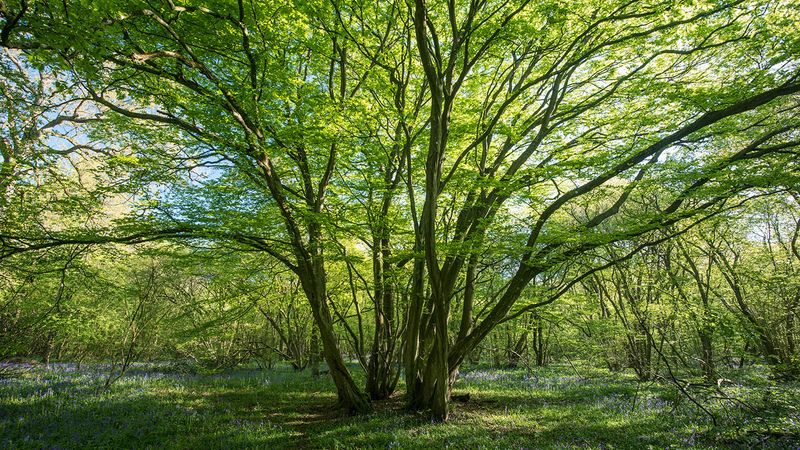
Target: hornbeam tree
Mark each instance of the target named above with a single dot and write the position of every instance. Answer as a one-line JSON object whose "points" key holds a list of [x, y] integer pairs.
{"points": [[569, 102], [246, 100]]}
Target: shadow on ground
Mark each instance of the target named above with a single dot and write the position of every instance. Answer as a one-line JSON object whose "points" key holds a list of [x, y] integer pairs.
{"points": [[285, 409]]}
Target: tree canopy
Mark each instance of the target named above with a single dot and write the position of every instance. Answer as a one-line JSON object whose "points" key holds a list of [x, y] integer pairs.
{"points": [[420, 153]]}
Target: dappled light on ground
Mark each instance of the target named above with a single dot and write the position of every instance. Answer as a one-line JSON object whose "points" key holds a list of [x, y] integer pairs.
{"points": [[63, 407]]}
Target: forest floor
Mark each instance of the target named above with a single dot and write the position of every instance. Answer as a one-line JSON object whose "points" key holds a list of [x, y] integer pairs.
{"points": [[560, 406]]}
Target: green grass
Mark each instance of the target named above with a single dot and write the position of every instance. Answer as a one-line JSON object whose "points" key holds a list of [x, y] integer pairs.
{"points": [[247, 408]]}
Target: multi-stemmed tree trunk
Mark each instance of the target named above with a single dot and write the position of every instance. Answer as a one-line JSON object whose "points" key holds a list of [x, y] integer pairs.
{"points": [[382, 373], [382, 369], [539, 87]]}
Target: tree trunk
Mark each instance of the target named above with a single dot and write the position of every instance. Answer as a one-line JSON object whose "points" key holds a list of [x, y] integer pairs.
{"points": [[707, 347], [313, 358], [349, 396], [539, 344], [518, 349], [381, 376], [314, 283], [706, 341]]}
